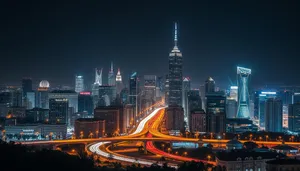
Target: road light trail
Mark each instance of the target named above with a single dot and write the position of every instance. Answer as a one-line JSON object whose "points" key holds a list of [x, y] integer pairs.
{"points": [[150, 146], [95, 148]]}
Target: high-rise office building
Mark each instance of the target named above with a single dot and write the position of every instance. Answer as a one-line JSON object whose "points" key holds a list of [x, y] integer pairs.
{"points": [[234, 92], [160, 87], [98, 82], [149, 88], [293, 117], [215, 112], [113, 116], [175, 74], [133, 88], [167, 86], [79, 84], [286, 96], [37, 115], [124, 96], [273, 115], [231, 108], [30, 100], [263, 96], [194, 102], [129, 117], [71, 95], [107, 95], [111, 76], [58, 110], [243, 75], [296, 98], [85, 102], [26, 86], [186, 87], [210, 85], [119, 83], [174, 118], [42, 95], [198, 121]]}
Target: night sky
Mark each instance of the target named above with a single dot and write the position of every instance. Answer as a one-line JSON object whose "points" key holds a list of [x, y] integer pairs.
{"points": [[55, 41]]}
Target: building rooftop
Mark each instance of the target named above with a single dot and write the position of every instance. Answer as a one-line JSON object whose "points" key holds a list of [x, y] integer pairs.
{"points": [[284, 162], [284, 147], [235, 155]]}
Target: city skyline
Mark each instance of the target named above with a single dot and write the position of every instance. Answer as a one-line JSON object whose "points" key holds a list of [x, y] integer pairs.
{"points": [[56, 35]]}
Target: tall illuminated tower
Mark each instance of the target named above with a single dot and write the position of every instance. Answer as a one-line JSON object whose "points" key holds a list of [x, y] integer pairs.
{"points": [[175, 74], [79, 84], [111, 76], [119, 83], [185, 90], [98, 77], [243, 75]]}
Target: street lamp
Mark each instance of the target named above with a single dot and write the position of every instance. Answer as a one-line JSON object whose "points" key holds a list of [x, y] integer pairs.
{"points": [[163, 146], [185, 153], [267, 137], [208, 158], [81, 134], [169, 150]]}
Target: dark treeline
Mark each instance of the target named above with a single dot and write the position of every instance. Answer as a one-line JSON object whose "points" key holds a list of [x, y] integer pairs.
{"points": [[15, 157]]}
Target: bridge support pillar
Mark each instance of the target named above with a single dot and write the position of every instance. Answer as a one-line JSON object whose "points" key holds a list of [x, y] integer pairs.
{"points": [[144, 145]]}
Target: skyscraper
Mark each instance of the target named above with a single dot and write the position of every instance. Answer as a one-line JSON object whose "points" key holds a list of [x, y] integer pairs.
{"points": [[210, 85], [79, 84], [294, 115], [273, 115], [175, 74], [70, 95], [186, 87], [234, 92], [85, 102], [215, 112], [26, 86], [243, 92], [133, 88], [263, 97], [119, 83], [111, 75], [42, 96], [149, 87], [107, 95], [58, 110]]}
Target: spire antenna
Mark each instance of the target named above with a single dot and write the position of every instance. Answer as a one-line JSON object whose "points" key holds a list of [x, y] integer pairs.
{"points": [[175, 34]]}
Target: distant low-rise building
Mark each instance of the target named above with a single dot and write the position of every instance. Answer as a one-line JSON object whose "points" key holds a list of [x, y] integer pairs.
{"points": [[174, 118], [113, 116], [244, 160], [283, 165], [89, 128], [197, 121]]}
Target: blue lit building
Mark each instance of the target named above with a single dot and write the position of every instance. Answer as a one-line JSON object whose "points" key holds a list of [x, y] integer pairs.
{"points": [[243, 75], [273, 115], [262, 98]]}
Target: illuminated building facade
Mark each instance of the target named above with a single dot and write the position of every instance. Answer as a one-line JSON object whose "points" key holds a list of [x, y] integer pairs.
{"points": [[175, 74], [273, 115], [79, 84], [294, 115], [186, 87], [243, 75], [98, 82], [262, 98], [71, 95], [215, 112], [30, 100], [133, 88], [58, 110], [231, 108], [85, 102], [26, 86], [111, 76], [149, 88], [119, 83], [174, 118], [234, 92]]}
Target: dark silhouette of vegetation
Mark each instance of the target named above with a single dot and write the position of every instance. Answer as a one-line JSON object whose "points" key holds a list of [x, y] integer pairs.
{"points": [[15, 157], [250, 145]]}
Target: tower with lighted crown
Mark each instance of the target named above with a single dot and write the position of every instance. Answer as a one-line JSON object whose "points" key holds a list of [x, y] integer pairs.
{"points": [[175, 74], [119, 83], [111, 76], [243, 75]]}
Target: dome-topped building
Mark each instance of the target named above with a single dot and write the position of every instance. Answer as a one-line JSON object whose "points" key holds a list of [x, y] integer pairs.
{"points": [[234, 145], [44, 84]]}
